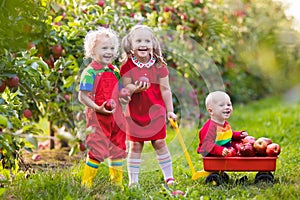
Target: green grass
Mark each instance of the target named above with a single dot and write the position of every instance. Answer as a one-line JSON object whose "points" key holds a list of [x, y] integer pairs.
{"points": [[269, 117]]}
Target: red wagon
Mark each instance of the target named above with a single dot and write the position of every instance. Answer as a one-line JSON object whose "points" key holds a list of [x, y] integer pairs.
{"points": [[219, 165]]}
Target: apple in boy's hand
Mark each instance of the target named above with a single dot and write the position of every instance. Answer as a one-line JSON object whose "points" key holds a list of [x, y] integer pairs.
{"points": [[110, 105], [124, 93], [260, 146], [237, 147], [249, 139], [273, 150], [247, 150], [144, 79], [231, 152]]}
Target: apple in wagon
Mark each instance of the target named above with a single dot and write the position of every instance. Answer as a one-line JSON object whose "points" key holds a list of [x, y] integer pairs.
{"points": [[273, 150], [260, 146]]}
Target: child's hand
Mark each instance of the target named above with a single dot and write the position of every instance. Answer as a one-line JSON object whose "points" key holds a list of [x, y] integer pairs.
{"points": [[141, 86], [244, 134], [101, 109], [124, 101], [172, 115], [225, 152]]}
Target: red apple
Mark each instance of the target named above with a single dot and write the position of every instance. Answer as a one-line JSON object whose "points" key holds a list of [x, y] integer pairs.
{"points": [[273, 150], [249, 139], [124, 93], [12, 82], [57, 50], [268, 140], [82, 146], [231, 152], [144, 79], [247, 150], [177, 193], [67, 97], [27, 113], [110, 104], [2, 85], [100, 3], [260, 146], [36, 157], [237, 147]]}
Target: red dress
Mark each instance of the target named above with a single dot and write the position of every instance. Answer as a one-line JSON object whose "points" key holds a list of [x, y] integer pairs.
{"points": [[146, 119]]}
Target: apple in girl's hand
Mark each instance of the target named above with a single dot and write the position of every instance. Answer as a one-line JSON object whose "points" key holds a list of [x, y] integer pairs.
{"points": [[124, 93], [273, 150], [247, 150], [231, 152], [249, 139], [260, 146], [110, 105], [144, 79]]}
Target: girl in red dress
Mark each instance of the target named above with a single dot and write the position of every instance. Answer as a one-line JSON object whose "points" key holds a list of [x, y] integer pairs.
{"points": [[145, 74]]}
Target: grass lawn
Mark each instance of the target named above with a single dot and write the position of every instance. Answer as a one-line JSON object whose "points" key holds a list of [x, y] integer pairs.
{"points": [[270, 117]]}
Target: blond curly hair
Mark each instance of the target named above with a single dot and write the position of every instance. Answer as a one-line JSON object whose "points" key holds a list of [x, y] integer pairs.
{"points": [[99, 35]]}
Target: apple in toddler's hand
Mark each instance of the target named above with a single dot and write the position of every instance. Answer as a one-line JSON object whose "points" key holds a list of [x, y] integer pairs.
{"points": [[273, 150], [247, 150], [260, 146], [249, 139], [231, 152], [237, 147], [110, 105], [124, 93]]}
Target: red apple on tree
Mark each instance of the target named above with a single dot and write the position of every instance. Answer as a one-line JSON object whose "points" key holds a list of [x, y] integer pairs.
{"points": [[57, 50], [12, 82], [2, 85], [249, 139], [247, 150], [260, 146], [110, 105], [273, 150], [27, 113], [101, 3]]}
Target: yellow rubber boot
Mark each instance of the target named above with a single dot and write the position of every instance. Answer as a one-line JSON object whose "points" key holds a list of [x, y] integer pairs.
{"points": [[116, 171], [89, 174]]}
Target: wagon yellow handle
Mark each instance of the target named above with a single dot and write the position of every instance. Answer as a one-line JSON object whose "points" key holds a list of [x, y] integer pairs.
{"points": [[186, 153]]}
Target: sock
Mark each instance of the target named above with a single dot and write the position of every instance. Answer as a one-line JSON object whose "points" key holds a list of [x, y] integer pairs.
{"points": [[90, 170], [116, 171], [133, 167], [165, 164]]}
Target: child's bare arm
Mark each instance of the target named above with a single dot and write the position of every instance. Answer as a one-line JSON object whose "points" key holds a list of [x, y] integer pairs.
{"points": [[167, 96], [84, 98]]}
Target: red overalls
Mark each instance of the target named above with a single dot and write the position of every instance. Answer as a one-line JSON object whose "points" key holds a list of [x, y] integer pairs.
{"points": [[108, 138]]}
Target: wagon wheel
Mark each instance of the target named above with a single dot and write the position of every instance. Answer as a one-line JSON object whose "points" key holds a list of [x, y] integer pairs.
{"points": [[264, 177], [214, 179], [225, 177]]}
